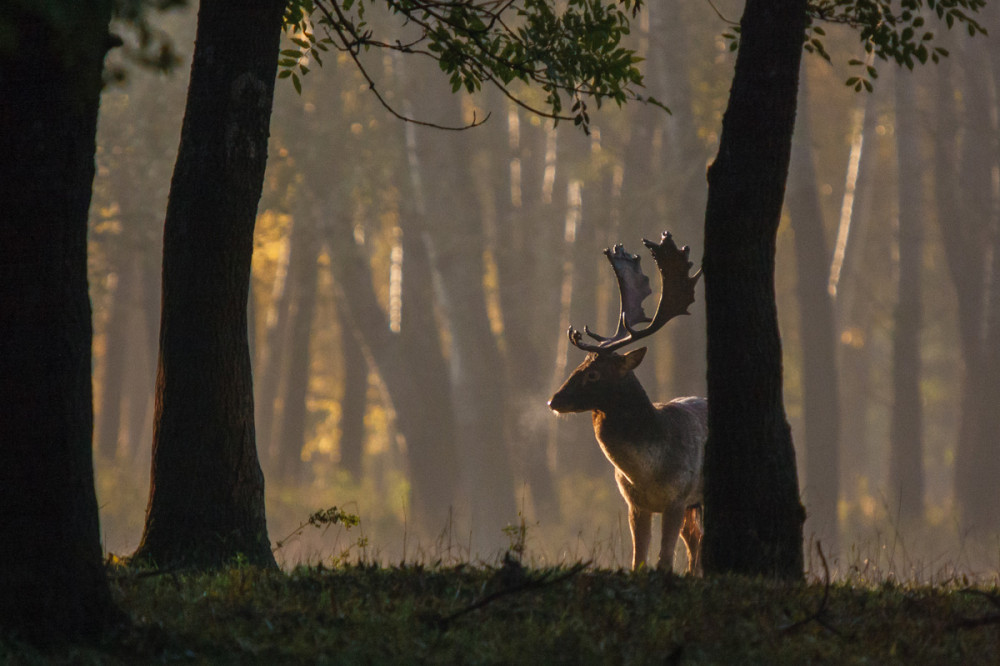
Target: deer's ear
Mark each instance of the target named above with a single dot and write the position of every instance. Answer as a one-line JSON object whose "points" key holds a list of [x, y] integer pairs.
{"points": [[633, 359]]}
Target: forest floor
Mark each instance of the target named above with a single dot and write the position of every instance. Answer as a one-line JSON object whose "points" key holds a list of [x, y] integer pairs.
{"points": [[510, 614]]}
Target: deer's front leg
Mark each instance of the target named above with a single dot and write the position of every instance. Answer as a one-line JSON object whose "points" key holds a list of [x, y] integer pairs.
{"points": [[671, 522], [640, 524]]}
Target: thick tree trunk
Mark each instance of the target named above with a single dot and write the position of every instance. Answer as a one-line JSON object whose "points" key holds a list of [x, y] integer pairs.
{"points": [[52, 581], [821, 396], [753, 517], [906, 450], [206, 504]]}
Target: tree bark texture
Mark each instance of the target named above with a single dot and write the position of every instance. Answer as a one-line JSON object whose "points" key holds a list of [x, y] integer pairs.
{"points": [[821, 395], [206, 504], [753, 517], [906, 450], [52, 581]]}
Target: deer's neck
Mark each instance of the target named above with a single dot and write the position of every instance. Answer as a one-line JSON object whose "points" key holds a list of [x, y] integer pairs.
{"points": [[627, 419]]}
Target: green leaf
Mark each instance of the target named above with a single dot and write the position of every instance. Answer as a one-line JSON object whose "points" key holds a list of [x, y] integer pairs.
{"points": [[296, 83]]}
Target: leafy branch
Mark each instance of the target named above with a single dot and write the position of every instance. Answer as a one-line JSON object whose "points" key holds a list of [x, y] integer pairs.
{"points": [[573, 54], [899, 34], [886, 31], [320, 518]]}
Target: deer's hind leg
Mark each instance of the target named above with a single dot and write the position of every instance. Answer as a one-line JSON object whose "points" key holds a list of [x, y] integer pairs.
{"points": [[691, 534], [672, 519]]}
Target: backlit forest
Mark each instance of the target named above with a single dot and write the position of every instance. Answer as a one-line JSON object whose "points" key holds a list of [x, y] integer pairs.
{"points": [[411, 289]]}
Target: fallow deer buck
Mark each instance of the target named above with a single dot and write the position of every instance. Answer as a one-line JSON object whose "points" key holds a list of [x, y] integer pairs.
{"points": [[656, 448]]}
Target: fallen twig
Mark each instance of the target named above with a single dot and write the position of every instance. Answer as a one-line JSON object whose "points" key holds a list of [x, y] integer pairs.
{"points": [[819, 615], [545, 579]]}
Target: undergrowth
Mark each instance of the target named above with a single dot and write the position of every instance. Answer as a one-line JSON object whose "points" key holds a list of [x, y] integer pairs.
{"points": [[507, 613], [353, 609]]}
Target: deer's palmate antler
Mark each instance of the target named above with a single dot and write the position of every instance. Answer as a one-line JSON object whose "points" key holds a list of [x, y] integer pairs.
{"points": [[676, 294], [656, 448]]}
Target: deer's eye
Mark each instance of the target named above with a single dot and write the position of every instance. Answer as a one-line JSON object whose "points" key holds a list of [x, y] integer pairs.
{"points": [[591, 376]]}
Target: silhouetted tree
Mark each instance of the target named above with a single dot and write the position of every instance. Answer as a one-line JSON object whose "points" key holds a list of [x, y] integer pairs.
{"points": [[206, 503], [752, 510], [52, 580], [753, 517]]}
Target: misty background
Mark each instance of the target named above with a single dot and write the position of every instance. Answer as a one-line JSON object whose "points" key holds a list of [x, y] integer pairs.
{"points": [[412, 288]]}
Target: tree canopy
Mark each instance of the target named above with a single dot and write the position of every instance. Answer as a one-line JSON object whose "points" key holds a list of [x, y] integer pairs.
{"points": [[575, 52]]}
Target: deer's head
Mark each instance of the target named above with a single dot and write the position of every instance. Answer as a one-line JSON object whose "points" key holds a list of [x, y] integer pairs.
{"points": [[604, 370], [594, 380]]}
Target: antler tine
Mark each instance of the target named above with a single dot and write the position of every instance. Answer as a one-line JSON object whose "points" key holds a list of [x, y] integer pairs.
{"points": [[676, 293], [577, 341]]}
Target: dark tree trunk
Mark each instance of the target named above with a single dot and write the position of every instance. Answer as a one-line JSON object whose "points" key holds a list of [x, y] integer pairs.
{"points": [[52, 581], [821, 397], [753, 517], [206, 503], [906, 451]]}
